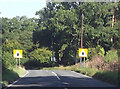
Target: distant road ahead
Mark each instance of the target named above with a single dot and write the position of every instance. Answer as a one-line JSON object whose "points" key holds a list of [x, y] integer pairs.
{"points": [[56, 79]]}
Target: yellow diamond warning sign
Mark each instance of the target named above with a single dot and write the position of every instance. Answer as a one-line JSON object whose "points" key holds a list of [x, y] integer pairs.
{"points": [[17, 53], [83, 52]]}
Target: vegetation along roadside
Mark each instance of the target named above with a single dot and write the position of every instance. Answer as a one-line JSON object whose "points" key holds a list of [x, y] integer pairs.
{"points": [[10, 75]]}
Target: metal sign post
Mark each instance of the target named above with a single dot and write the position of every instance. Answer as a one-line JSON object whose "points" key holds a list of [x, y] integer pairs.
{"points": [[16, 62], [84, 61], [80, 62], [19, 62]]}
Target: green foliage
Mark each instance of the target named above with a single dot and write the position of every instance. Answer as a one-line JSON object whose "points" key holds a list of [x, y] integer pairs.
{"points": [[8, 61], [91, 53], [118, 42], [59, 27], [10, 75], [107, 76], [96, 51], [62, 49], [111, 55], [68, 57], [64, 22], [9, 45], [42, 55], [24, 60], [17, 34], [100, 51], [25, 39]]}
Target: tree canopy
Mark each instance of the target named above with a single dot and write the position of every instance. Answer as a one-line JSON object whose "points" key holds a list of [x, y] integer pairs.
{"points": [[57, 31]]}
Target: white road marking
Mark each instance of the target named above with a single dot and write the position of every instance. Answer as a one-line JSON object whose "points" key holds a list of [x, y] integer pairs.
{"points": [[65, 83], [81, 74], [56, 75], [18, 79], [25, 74]]}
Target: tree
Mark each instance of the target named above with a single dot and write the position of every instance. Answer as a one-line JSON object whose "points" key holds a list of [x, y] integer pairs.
{"points": [[63, 22]]}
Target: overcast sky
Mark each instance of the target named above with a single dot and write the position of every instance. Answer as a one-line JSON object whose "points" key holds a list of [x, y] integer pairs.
{"points": [[13, 8]]}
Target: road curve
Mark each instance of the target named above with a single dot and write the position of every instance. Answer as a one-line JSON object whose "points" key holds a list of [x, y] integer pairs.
{"points": [[56, 79]]}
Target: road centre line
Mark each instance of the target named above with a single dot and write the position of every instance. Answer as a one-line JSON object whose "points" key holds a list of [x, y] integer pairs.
{"points": [[56, 75]]}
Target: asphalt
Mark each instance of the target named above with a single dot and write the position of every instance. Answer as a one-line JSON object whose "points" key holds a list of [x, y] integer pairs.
{"points": [[57, 79]]}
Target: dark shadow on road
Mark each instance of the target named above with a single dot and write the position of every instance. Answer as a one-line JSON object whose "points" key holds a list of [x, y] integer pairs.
{"points": [[60, 88], [65, 82]]}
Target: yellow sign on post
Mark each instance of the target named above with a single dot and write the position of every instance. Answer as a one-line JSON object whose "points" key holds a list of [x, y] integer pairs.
{"points": [[83, 52], [17, 53]]}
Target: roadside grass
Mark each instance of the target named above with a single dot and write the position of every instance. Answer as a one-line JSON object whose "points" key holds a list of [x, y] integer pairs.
{"points": [[103, 75], [87, 71], [10, 75], [107, 76], [20, 71]]}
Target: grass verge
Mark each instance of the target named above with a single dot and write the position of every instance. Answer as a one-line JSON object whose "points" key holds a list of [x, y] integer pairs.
{"points": [[10, 75], [107, 76]]}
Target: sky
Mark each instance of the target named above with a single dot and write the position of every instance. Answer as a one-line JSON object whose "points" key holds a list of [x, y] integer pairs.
{"points": [[13, 8]]}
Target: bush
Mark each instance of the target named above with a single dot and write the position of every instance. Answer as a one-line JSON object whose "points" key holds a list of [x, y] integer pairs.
{"points": [[100, 51], [8, 61], [68, 57], [111, 56], [42, 55], [96, 51], [91, 53], [23, 60], [38, 58]]}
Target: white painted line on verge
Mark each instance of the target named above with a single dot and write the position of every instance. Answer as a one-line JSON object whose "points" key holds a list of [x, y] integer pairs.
{"points": [[25, 74], [81, 74], [18, 79], [56, 75]]}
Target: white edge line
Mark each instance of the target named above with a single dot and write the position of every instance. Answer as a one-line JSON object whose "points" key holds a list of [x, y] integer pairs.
{"points": [[18, 79], [81, 74], [56, 75]]}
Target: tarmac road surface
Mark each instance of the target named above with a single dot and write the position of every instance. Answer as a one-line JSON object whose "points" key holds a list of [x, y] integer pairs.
{"points": [[56, 79]]}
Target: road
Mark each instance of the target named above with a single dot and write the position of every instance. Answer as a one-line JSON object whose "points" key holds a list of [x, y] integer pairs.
{"points": [[58, 79]]}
